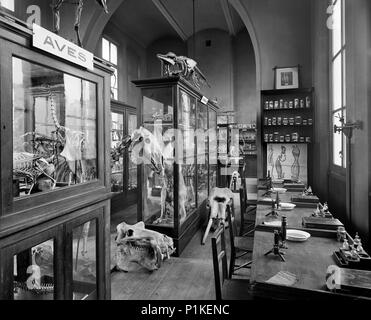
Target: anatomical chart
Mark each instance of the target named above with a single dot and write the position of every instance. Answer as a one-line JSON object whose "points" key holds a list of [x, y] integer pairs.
{"points": [[288, 161]]}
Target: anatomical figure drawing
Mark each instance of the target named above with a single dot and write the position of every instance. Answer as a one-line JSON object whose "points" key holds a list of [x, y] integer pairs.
{"points": [[287, 161]]}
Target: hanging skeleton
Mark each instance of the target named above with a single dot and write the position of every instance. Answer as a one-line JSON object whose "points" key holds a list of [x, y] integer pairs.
{"points": [[146, 247], [80, 5]]}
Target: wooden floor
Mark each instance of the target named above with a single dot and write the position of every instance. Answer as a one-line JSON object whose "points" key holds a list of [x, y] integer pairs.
{"points": [[189, 277]]}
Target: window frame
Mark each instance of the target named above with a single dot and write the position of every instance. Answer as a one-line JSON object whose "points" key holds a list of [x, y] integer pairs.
{"points": [[114, 66], [341, 169]]}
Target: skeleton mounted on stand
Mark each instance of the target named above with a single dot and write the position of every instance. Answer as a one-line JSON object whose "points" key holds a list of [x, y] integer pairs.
{"points": [[79, 7]]}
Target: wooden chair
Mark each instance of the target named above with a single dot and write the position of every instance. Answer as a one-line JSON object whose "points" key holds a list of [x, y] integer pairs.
{"points": [[248, 204], [225, 287], [240, 246]]}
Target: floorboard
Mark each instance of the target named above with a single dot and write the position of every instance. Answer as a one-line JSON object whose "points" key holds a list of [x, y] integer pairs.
{"points": [[189, 277]]}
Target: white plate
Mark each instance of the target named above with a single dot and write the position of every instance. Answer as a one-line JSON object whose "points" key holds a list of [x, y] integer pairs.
{"points": [[297, 235], [279, 190], [287, 206]]}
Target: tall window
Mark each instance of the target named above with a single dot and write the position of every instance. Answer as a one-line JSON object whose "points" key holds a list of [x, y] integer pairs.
{"points": [[109, 53], [7, 4], [337, 78]]}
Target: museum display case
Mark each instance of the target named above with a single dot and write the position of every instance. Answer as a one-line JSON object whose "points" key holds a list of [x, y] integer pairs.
{"points": [[54, 170], [179, 124], [123, 170]]}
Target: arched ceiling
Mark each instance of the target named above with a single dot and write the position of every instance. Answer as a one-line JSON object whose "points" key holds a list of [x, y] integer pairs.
{"points": [[149, 20]]}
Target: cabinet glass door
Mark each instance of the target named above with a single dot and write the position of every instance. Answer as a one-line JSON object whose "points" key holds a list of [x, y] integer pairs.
{"points": [[117, 162], [213, 150], [84, 266], [187, 165], [54, 129], [132, 182], [202, 153], [149, 148], [34, 273]]}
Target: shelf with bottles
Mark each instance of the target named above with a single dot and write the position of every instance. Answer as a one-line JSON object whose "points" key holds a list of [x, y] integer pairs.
{"points": [[297, 121], [286, 138]]}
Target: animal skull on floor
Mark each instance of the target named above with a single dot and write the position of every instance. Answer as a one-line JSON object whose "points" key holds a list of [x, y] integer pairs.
{"points": [[146, 247], [217, 203]]}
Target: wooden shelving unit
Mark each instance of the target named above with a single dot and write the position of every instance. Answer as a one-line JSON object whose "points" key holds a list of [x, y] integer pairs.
{"points": [[287, 117]]}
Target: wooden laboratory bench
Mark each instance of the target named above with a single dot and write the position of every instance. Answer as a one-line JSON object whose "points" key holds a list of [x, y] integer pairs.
{"points": [[308, 260]]}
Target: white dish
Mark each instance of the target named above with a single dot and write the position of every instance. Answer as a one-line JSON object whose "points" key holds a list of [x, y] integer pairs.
{"points": [[297, 235], [287, 206], [279, 190]]}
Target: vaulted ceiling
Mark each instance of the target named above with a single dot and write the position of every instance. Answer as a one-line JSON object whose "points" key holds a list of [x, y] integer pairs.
{"points": [[149, 20]]}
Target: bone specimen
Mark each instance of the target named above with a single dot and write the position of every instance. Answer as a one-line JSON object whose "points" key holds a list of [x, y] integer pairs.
{"points": [[217, 203], [146, 247], [80, 5], [183, 66]]}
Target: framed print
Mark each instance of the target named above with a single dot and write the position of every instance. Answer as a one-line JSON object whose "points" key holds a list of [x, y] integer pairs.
{"points": [[286, 78]]}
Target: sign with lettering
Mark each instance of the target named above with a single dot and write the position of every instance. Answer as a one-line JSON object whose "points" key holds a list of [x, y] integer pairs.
{"points": [[60, 47], [204, 100]]}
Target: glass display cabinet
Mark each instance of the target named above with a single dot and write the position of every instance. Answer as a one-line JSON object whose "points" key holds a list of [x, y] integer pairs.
{"points": [[123, 170], [54, 172], [181, 126]]}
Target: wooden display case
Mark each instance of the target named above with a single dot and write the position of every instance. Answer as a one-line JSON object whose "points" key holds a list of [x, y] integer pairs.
{"points": [[124, 183], [288, 119], [172, 103], [54, 172]]}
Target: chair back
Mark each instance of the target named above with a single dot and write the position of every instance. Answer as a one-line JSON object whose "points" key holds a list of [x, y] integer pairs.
{"points": [[219, 257], [232, 228], [251, 189]]}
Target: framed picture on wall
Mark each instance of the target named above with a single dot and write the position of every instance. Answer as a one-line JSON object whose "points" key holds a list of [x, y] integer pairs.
{"points": [[286, 77]]}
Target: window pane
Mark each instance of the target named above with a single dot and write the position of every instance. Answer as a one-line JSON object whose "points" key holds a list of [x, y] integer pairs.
{"points": [[105, 49], [34, 273], [344, 86], [113, 54], [84, 262], [344, 144], [8, 4], [133, 184], [336, 31], [336, 83], [114, 81], [337, 141], [117, 160]]}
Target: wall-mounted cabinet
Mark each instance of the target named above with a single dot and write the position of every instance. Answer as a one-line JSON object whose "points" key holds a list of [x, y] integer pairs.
{"points": [[189, 154], [54, 170]]}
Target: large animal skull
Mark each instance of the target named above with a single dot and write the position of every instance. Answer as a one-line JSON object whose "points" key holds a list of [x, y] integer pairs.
{"points": [[145, 148], [217, 204], [146, 247]]}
